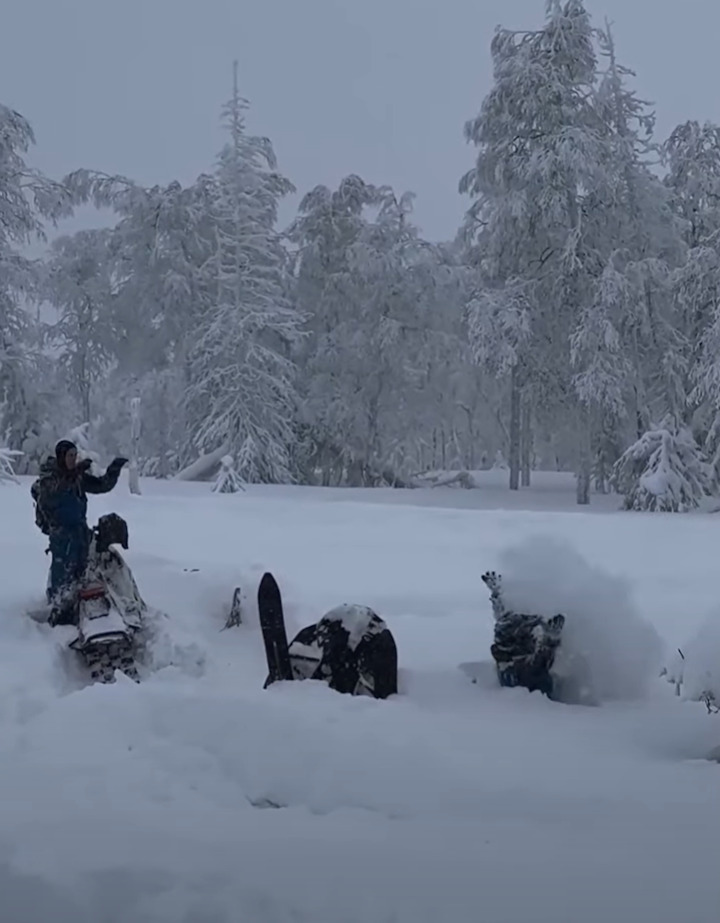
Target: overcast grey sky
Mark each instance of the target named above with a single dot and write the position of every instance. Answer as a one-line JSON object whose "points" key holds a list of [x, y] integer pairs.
{"points": [[376, 87]]}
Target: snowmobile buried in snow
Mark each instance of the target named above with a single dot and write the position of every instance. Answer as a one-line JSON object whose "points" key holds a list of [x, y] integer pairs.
{"points": [[528, 651], [524, 646], [350, 648], [107, 608]]}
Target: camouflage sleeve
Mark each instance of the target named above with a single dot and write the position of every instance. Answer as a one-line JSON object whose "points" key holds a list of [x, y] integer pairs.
{"points": [[103, 484]]}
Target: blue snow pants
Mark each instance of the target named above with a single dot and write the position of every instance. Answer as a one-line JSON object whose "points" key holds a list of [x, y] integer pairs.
{"points": [[69, 549]]}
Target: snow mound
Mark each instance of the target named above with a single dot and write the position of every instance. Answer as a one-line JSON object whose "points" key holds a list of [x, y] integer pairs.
{"points": [[604, 638], [166, 645]]}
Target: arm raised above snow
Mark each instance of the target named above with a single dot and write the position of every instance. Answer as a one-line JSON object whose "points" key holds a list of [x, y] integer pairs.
{"points": [[106, 482]]}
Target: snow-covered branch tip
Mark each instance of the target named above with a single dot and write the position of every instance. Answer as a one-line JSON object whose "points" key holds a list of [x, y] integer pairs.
{"points": [[228, 481], [664, 471], [8, 459]]}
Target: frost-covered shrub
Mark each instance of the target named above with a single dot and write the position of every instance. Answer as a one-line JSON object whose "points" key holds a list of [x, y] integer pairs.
{"points": [[607, 647], [228, 481], [160, 467], [7, 464], [664, 471]]}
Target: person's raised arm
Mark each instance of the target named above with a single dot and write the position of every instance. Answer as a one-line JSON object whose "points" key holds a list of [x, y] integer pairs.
{"points": [[105, 483]]}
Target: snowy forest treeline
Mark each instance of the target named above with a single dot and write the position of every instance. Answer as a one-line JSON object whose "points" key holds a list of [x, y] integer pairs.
{"points": [[573, 323]]}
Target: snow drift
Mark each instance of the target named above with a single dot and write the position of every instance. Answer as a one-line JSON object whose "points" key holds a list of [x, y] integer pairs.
{"points": [[198, 797], [603, 635]]}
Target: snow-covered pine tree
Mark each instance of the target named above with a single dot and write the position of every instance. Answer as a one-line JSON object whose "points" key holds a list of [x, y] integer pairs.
{"points": [[382, 367], [664, 471], [157, 253], [329, 224], [601, 369], [241, 394], [26, 197], [542, 174], [624, 332], [692, 156], [78, 283]]}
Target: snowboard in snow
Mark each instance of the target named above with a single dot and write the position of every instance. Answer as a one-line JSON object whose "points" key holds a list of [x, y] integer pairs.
{"points": [[272, 625]]}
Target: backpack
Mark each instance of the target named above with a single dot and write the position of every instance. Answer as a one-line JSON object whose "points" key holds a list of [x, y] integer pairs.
{"points": [[40, 518]]}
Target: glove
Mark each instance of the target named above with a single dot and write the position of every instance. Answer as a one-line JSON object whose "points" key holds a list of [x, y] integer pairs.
{"points": [[84, 465], [118, 463]]}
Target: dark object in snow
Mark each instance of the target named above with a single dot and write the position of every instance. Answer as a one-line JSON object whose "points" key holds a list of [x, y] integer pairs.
{"points": [[524, 647], [350, 648], [272, 625], [104, 605]]}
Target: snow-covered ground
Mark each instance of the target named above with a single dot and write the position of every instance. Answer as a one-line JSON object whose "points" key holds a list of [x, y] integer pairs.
{"points": [[197, 796]]}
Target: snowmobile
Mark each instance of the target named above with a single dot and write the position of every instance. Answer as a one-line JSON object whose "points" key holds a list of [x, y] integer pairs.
{"points": [[528, 651], [524, 646], [106, 608], [350, 648]]}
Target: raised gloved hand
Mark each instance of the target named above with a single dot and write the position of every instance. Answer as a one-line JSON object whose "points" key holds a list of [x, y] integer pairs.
{"points": [[118, 463], [84, 465]]}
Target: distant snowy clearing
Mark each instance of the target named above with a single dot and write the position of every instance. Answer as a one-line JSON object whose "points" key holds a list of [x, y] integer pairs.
{"points": [[198, 797]]}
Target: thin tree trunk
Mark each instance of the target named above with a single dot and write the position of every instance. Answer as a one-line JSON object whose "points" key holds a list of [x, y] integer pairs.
{"points": [[133, 472], [584, 469], [526, 441], [583, 486], [469, 451], [84, 388], [514, 459]]}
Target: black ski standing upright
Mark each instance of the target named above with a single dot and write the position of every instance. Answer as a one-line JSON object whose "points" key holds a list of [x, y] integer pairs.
{"points": [[272, 624]]}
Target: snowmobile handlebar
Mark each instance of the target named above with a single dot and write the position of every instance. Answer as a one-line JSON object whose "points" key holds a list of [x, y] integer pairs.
{"points": [[111, 529]]}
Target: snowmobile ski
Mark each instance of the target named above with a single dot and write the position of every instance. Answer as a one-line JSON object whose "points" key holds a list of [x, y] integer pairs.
{"points": [[272, 625]]}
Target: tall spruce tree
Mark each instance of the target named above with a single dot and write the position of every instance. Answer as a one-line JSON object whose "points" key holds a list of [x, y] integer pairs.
{"points": [[242, 392]]}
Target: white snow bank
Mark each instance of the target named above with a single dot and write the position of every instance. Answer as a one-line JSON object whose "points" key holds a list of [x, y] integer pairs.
{"points": [[603, 630], [452, 802]]}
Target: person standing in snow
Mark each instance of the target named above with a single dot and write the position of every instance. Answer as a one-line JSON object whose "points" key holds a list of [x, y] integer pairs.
{"points": [[60, 495]]}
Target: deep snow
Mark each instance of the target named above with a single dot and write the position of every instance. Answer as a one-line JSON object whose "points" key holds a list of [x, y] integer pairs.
{"points": [[198, 796]]}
